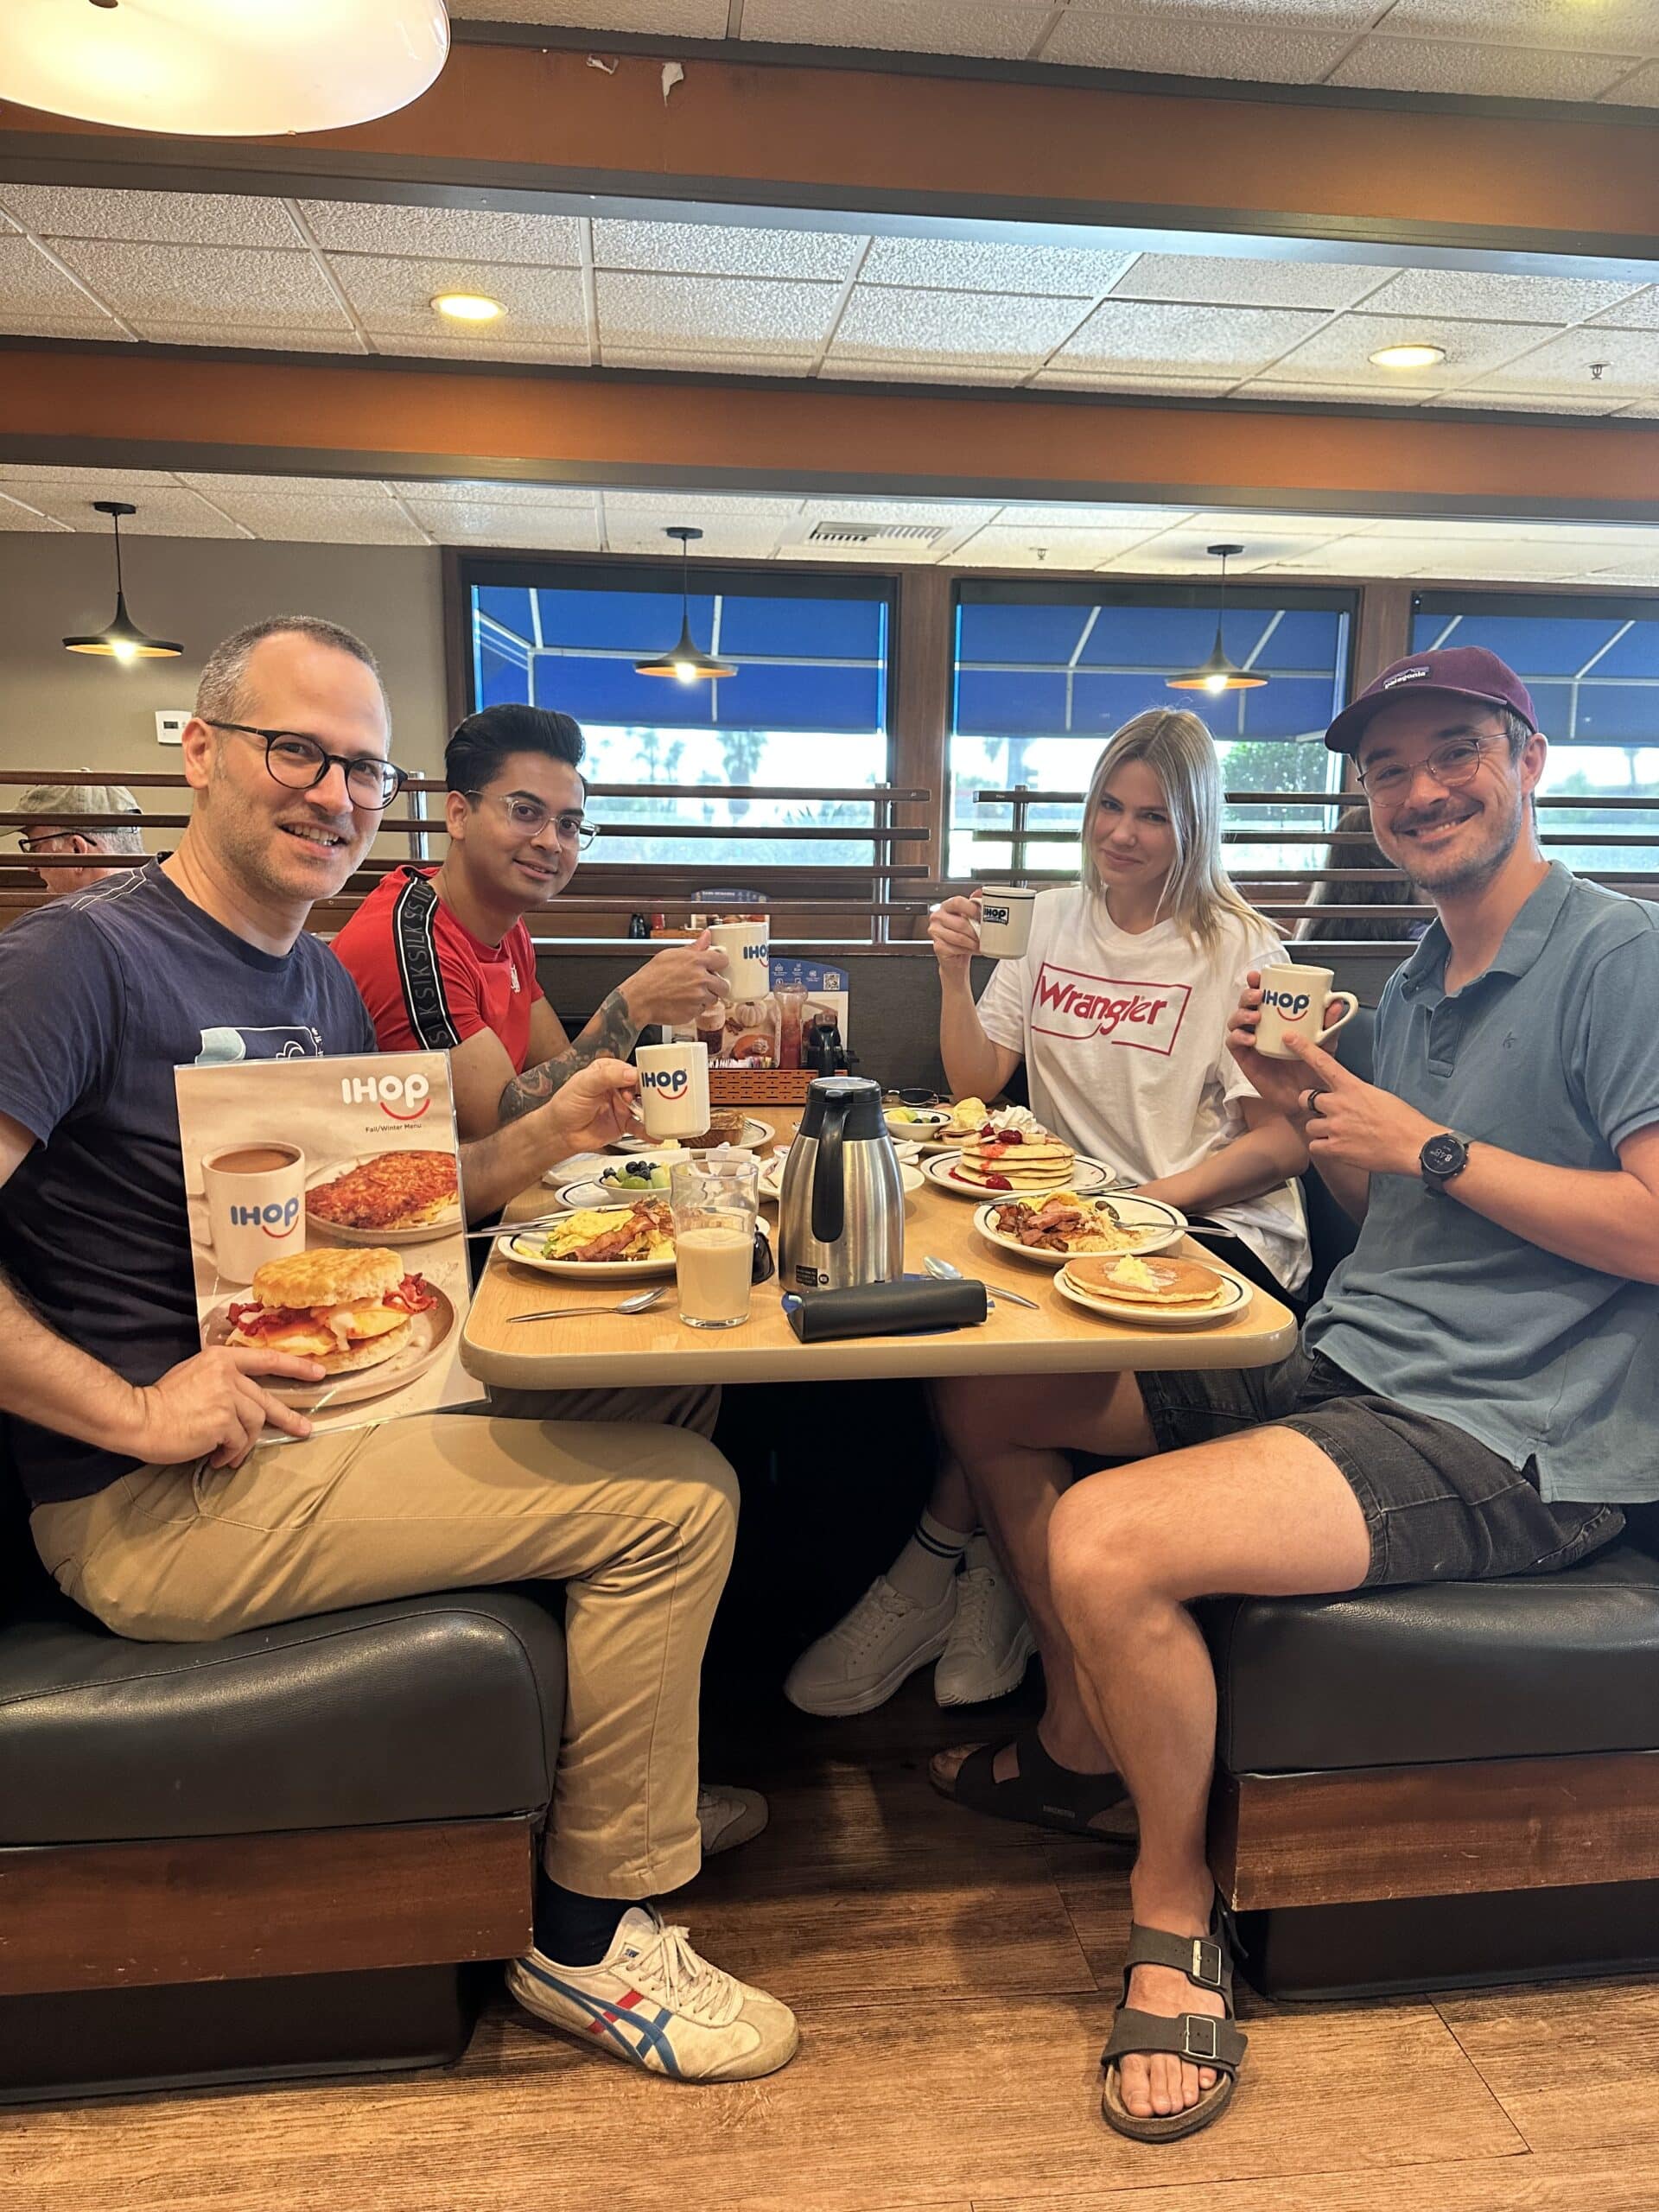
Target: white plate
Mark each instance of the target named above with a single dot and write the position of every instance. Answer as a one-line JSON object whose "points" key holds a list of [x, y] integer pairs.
{"points": [[754, 1134], [424, 1233], [772, 1178], [590, 1191], [1155, 1316], [521, 1246], [1088, 1175], [428, 1340], [1167, 1225]]}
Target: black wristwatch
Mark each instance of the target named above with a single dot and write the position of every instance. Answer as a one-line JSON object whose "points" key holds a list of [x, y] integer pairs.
{"points": [[1443, 1158]]}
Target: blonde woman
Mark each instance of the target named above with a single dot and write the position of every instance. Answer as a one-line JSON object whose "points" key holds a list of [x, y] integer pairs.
{"points": [[1119, 1011]]}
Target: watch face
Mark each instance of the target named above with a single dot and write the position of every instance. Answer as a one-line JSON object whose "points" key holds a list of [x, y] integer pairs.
{"points": [[1442, 1154]]}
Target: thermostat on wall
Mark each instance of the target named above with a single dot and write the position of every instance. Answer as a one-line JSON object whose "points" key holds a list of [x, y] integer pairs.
{"points": [[169, 725]]}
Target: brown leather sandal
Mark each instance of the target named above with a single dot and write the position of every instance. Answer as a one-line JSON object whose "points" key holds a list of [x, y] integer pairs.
{"points": [[1199, 2038]]}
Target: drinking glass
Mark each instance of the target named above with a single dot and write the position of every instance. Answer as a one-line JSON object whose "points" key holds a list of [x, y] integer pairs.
{"points": [[715, 1204]]}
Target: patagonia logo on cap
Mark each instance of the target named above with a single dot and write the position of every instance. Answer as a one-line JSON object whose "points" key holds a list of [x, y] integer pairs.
{"points": [[1403, 676]]}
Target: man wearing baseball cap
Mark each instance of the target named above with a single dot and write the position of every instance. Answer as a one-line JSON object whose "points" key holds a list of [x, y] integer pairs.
{"points": [[56, 827], [1476, 1394]]}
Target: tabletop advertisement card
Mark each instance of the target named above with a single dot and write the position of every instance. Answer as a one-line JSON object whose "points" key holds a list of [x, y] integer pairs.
{"points": [[326, 1220], [768, 1033]]}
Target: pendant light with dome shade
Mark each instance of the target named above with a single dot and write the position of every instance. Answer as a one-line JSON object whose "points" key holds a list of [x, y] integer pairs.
{"points": [[1218, 673], [121, 638], [686, 662], [221, 68]]}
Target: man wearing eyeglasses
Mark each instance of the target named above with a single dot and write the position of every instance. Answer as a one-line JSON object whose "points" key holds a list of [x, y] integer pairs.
{"points": [[443, 956], [1476, 1394], [69, 845], [154, 1501]]}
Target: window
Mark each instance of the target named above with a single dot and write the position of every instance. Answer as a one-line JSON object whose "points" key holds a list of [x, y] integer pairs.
{"points": [[1593, 668], [1045, 673], [808, 706]]}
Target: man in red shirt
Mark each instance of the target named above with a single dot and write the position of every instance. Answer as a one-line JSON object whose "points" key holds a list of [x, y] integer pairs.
{"points": [[443, 956]]}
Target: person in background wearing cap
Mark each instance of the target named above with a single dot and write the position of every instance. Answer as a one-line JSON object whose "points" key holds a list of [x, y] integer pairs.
{"points": [[53, 809], [1476, 1394]]}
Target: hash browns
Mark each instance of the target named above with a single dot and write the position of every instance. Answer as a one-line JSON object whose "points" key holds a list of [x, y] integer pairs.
{"points": [[395, 1190]]}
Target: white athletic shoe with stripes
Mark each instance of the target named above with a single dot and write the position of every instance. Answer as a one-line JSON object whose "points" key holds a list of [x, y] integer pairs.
{"points": [[653, 2002]]}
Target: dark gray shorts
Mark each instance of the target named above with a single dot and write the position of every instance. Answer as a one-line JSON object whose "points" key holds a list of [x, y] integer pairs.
{"points": [[1439, 1506]]}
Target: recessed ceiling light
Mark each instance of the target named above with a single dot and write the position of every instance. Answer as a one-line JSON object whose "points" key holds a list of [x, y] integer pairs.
{"points": [[468, 307], [1407, 357]]}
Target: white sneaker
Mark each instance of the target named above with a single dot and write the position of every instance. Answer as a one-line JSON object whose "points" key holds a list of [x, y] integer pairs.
{"points": [[860, 1662], [990, 1644], [653, 2003], [729, 1816]]}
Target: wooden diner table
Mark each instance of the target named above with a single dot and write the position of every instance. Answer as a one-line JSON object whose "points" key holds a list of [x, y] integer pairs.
{"points": [[602, 1351]]}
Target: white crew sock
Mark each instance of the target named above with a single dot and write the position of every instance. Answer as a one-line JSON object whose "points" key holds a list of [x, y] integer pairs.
{"points": [[926, 1568]]}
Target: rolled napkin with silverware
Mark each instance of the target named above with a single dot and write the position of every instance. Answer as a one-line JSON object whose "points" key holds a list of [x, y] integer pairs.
{"points": [[909, 1308]]}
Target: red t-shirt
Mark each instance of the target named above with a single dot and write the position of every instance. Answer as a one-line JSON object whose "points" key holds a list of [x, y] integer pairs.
{"points": [[429, 983]]}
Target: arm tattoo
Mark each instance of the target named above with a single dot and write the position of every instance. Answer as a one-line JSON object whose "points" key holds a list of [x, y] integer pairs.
{"points": [[610, 1034]]}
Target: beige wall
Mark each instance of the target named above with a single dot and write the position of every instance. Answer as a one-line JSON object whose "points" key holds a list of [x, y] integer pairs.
{"points": [[67, 710]]}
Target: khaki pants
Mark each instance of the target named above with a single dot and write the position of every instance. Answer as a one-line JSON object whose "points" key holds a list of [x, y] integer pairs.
{"points": [[694, 1406], [637, 1522]]}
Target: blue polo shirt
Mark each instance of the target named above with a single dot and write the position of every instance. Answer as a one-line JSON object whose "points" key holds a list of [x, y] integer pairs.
{"points": [[1551, 1053]]}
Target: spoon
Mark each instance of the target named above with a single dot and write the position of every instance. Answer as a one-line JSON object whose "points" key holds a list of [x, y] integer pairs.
{"points": [[636, 1303], [942, 1271]]}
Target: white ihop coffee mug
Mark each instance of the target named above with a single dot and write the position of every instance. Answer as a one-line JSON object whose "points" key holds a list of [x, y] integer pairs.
{"points": [[673, 1088], [255, 1204], [748, 948], [1295, 1001], [1005, 911]]}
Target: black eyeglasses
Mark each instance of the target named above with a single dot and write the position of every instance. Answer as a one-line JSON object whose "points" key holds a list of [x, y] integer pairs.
{"points": [[529, 818], [300, 763]]}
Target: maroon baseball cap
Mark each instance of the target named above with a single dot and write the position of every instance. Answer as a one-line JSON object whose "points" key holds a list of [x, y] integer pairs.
{"points": [[1460, 672]]}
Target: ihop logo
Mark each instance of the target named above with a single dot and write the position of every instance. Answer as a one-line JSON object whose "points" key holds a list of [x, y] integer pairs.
{"points": [[405, 1097], [755, 956], [277, 1218], [667, 1082], [1292, 1005], [990, 912]]}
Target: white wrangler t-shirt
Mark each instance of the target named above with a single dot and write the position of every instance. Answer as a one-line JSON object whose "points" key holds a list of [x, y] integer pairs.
{"points": [[1125, 1043]]}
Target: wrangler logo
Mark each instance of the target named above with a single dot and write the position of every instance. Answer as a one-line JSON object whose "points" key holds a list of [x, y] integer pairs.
{"points": [[1075, 1006]]}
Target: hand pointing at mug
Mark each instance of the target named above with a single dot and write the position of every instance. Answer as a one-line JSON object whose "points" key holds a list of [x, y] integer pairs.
{"points": [[1353, 1122]]}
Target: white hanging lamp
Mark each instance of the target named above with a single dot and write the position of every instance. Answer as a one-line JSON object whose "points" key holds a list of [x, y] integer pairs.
{"points": [[221, 68]]}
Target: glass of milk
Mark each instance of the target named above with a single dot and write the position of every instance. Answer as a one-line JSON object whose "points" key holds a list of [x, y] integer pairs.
{"points": [[714, 1202]]}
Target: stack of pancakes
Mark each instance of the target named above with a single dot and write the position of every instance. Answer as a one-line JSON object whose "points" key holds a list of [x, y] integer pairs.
{"points": [[1180, 1285], [1016, 1159]]}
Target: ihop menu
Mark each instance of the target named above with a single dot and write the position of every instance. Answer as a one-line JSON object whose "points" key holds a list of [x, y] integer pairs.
{"points": [[326, 1221]]}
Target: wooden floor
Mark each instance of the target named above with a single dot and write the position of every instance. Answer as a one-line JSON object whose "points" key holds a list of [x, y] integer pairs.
{"points": [[954, 1978]]}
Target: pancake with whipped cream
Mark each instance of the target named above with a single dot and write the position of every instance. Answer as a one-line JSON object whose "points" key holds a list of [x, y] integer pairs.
{"points": [[1160, 1280]]}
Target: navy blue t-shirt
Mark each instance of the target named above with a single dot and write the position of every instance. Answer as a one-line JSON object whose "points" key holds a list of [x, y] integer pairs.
{"points": [[102, 995]]}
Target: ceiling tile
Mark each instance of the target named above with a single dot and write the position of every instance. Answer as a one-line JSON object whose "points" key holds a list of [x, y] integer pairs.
{"points": [[996, 329], [1187, 550], [1355, 556], [463, 522], [726, 250], [341, 339], [943, 514], [915, 26], [562, 352], [692, 507], [713, 315], [663, 18], [725, 538], [1639, 312], [226, 485], [764, 361], [329, 521], [1479, 557], [14, 515], [907, 553], [1631, 24], [1628, 360], [1001, 546], [1263, 51], [1418, 529], [18, 475], [1247, 282], [1470, 297], [921, 369], [205, 284], [59, 211], [1086, 516], [1340, 354], [1332, 395], [32, 290], [1413, 65], [482, 493], [975, 265], [457, 234], [1133, 336], [395, 296], [1540, 402], [163, 511], [1639, 90]]}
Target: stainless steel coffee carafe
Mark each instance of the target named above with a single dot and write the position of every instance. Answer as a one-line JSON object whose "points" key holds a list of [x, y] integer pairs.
{"points": [[842, 1218]]}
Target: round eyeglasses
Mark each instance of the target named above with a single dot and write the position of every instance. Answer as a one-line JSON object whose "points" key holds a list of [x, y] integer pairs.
{"points": [[301, 762]]}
